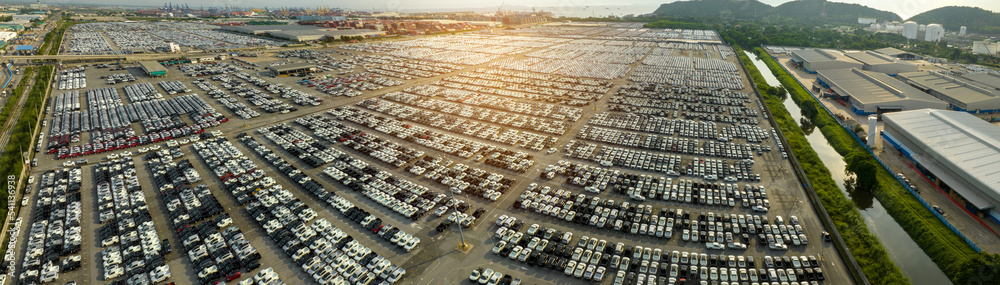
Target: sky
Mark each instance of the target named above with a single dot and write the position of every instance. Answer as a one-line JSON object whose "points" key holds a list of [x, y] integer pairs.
{"points": [[905, 8]]}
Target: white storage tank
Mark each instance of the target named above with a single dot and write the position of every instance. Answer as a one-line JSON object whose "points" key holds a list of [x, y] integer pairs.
{"points": [[910, 30], [934, 33]]}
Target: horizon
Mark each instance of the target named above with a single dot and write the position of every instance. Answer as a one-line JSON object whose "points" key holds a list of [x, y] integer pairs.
{"points": [[905, 9]]}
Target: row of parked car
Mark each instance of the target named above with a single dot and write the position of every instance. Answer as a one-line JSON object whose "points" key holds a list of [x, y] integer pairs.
{"points": [[132, 247], [469, 127], [642, 186], [55, 228], [490, 277], [461, 147], [74, 78], [254, 96], [208, 68], [301, 145], [733, 231], [142, 92], [334, 132], [590, 258], [551, 118], [500, 103], [297, 96], [666, 143], [366, 220], [174, 87], [286, 220], [609, 156]]}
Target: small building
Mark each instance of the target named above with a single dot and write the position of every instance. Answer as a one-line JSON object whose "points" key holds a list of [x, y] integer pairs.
{"points": [[899, 54], [957, 151], [292, 68], [873, 61], [813, 60], [875, 93], [960, 93], [24, 50], [153, 68]]}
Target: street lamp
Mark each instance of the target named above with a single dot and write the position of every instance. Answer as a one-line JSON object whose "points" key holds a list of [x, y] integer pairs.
{"points": [[463, 246]]}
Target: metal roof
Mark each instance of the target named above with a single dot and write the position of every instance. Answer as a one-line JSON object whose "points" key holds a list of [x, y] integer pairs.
{"points": [[870, 87], [891, 51], [152, 66], [957, 142], [871, 58], [957, 88], [291, 67], [24, 47], [985, 78], [818, 55]]}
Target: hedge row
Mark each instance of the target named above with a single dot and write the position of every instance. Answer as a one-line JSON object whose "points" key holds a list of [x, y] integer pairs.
{"points": [[942, 245], [866, 248]]}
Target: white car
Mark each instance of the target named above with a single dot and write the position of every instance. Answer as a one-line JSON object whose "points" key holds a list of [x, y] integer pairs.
{"points": [[714, 245]]}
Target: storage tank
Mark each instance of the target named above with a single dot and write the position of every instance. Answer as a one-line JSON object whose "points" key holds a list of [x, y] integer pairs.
{"points": [[962, 31], [910, 30], [934, 33], [922, 27]]}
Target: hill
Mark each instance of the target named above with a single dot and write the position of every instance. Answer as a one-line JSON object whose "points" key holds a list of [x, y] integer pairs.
{"points": [[739, 9], [953, 17], [834, 11], [752, 9]]}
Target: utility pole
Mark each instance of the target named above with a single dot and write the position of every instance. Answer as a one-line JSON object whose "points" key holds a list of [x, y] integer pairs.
{"points": [[462, 246]]}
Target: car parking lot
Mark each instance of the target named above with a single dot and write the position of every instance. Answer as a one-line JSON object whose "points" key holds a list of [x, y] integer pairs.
{"points": [[570, 135]]}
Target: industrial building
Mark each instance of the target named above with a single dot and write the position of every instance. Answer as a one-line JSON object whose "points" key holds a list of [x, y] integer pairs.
{"points": [[813, 60], [873, 92], [957, 151], [292, 68], [900, 54], [153, 68], [961, 94], [982, 47], [302, 33], [992, 80], [874, 61]]}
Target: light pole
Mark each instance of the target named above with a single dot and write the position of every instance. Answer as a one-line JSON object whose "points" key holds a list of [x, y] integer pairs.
{"points": [[463, 246]]}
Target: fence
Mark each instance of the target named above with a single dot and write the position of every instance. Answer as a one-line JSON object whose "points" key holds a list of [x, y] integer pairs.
{"points": [[912, 192]]}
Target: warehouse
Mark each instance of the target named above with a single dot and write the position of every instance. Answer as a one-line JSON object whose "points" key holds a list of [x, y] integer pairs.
{"points": [[984, 78], [813, 60], [955, 150], [292, 68], [900, 54], [875, 93], [961, 94], [873, 61], [153, 69]]}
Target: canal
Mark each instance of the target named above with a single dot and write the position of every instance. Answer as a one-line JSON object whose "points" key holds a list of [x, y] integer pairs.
{"points": [[912, 260]]}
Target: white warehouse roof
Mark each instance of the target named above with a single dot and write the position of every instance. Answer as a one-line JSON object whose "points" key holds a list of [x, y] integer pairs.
{"points": [[961, 149], [871, 91]]}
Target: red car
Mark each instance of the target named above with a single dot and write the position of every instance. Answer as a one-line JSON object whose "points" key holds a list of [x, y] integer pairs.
{"points": [[233, 276]]}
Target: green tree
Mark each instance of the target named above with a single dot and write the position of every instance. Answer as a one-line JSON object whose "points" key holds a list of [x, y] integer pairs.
{"points": [[864, 168]]}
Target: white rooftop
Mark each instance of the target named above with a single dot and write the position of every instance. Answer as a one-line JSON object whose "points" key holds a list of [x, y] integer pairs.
{"points": [[959, 142]]}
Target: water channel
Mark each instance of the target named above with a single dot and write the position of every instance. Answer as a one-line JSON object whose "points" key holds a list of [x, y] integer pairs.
{"points": [[912, 260]]}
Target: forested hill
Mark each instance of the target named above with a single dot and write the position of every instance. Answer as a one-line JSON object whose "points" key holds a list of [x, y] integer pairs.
{"points": [[834, 11], [812, 10], [953, 17], [740, 9]]}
